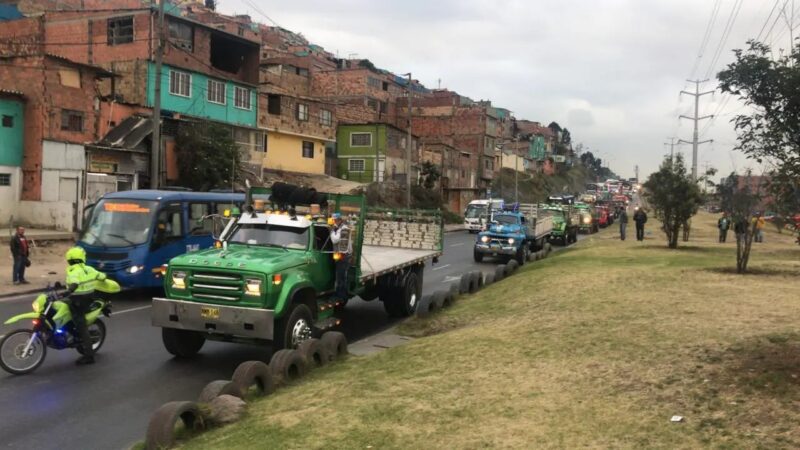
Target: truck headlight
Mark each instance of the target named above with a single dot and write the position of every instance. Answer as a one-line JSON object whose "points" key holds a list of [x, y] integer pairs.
{"points": [[252, 286], [134, 269], [485, 239], [179, 280], [587, 220], [511, 241]]}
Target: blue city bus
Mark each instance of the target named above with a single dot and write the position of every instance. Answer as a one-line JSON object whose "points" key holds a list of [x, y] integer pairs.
{"points": [[129, 235]]}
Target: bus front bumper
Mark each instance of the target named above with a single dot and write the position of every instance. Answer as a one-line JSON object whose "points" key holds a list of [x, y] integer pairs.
{"points": [[216, 319]]}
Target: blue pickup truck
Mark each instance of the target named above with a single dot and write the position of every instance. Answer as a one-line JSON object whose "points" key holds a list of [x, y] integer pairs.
{"points": [[513, 233]]}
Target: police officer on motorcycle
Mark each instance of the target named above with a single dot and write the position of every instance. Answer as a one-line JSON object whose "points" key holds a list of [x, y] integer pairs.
{"points": [[81, 284]]}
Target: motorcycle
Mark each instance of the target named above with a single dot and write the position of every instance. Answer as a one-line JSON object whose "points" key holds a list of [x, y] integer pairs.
{"points": [[22, 351]]}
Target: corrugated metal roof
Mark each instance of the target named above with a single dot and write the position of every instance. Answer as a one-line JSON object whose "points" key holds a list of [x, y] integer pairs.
{"points": [[12, 92], [128, 134]]}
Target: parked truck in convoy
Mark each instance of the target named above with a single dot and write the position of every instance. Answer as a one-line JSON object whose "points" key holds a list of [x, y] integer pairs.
{"points": [[477, 213], [513, 233], [589, 218], [271, 277], [565, 220]]}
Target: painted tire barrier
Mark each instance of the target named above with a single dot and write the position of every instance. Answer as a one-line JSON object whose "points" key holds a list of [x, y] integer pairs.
{"points": [[478, 279], [488, 279], [499, 272], [438, 298], [465, 284], [219, 387], [455, 290], [426, 307], [161, 427], [474, 282], [448, 300], [548, 248], [511, 267], [336, 344], [532, 257], [287, 366], [254, 374], [314, 352]]}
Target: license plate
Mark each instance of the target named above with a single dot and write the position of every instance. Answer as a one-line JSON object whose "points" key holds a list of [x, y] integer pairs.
{"points": [[209, 313]]}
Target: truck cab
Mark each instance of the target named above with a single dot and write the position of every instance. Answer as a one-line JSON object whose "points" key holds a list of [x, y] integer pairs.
{"points": [[513, 233], [478, 213]]}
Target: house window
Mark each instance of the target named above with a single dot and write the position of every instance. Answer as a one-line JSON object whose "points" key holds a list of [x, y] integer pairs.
{"points": [[325, 118], [383, 107], [71, 120], [216, 92], [301, 71], [308, 149], [385, 86], [261, 143], [120, 30], [356, 165], [274, 104], [5, 179], [8, 121], [182, 35], [302, 112], [241, 98], [373, 104], [361, 140], [70, 77], [373, 82], [180, 83]]}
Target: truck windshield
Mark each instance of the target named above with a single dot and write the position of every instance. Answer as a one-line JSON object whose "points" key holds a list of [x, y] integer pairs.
{"points": [[119, 223], [506, 220], [270, 236], [475, 211]]}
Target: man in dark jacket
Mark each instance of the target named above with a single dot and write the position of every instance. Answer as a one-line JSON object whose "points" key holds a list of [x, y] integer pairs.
{"points": [[640, 217], [724, 224], [20, 251], [623, 223]]}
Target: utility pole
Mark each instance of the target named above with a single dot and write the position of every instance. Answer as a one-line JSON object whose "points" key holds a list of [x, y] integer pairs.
{"points": [[695, 141], [636, 170], [155, 147], [671, 144], [516, 176], [408, 148]]}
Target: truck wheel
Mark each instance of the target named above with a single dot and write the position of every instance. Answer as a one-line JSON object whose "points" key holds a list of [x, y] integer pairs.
{"points": [[477, 256], [315, 354], [182, 343], [336, 344], [253, 374], [287, 366], [404, 302], [219, 387], [293, 328], [499, 272]]}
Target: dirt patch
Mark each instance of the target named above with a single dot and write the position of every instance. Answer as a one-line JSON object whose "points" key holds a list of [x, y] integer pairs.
{"points": [[765, 271]]}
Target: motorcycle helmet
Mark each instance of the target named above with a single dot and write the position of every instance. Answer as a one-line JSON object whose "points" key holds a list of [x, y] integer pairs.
{"points": [[76, 255]]}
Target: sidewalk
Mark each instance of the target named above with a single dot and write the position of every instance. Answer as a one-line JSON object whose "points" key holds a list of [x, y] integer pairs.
{"points": [[38, 234], [47, 266], [453, 227]]}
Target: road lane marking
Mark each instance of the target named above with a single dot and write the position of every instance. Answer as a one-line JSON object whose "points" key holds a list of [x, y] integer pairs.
{"points": [[458, 245], [131, 310], [441, 267], [450, 279]]}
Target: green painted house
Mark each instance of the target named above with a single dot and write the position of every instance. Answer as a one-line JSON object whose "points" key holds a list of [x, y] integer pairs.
{"points": [[12, 115], [374, 152]]}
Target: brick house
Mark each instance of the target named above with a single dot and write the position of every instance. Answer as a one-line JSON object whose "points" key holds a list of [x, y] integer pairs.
{"points": [[375, 152], [459, 180]]}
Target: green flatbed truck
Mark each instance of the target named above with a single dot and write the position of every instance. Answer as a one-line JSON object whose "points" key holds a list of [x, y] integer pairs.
{"points": [[271, 281]]}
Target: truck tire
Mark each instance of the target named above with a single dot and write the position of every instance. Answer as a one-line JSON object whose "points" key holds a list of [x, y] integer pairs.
{"points": [[488, 279], [404, 302], [161, 427], [511, 267], [426, 307], [315, 354], [253, 374], [287, 366], [182, 343], [478, 275], [293, 328], [336, 344], [499, 272], [219, 387], [477, 256], [465, 284]]}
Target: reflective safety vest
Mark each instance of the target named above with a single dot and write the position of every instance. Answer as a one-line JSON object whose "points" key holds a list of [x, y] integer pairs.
{"points": [[85, 277]]}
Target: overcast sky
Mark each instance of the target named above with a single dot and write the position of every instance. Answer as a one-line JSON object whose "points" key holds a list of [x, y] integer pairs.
{"points": [[609, 70]]}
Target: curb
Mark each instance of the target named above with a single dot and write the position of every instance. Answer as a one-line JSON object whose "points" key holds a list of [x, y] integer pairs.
{"points": [[21, 293]]}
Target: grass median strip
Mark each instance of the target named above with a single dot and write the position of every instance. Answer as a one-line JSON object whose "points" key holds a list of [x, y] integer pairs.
{"points": [[596, 346]]}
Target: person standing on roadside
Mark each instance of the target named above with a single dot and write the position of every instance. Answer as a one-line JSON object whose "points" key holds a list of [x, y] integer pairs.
{"points": [[640, 217], [724, 224], [21, 252], [623, 223], [343, 251], [759, 223]]}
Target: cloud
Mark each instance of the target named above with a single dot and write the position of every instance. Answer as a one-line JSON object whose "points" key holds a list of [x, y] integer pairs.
{"points": [[610, 70]]}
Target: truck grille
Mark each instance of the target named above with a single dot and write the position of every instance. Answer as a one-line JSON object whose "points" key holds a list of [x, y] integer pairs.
{"points": [[216, 286], [496, 240]]}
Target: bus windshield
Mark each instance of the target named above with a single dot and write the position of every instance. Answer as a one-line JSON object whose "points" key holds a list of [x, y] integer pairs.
{"points": [[475, 211], [120, 223], [270, 236]]}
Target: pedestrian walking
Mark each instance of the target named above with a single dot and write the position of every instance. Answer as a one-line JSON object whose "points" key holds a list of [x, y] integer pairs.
{"points": [[20, 250], [623, 223], [640, 217], [724, 224]]}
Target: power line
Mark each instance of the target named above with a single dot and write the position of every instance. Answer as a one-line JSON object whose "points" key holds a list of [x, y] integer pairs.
{"points": [[725, 35], [706, 36], [258, 10]]}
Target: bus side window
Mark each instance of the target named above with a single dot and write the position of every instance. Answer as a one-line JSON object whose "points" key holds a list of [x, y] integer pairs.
{"points": [[198, 226], [169, 225]]}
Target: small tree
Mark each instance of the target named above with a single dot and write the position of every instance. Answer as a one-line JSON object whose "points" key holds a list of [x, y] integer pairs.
{"points": [[208, 157], [673, 196], [429, 175]]}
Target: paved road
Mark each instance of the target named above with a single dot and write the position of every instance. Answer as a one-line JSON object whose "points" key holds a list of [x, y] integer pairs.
{"points": [[106, 406]]}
